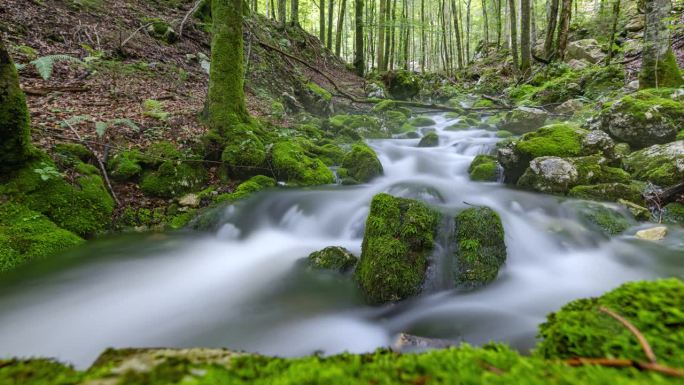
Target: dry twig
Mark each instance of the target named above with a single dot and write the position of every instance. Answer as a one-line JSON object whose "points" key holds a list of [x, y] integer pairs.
{"points": [[640, 337]]}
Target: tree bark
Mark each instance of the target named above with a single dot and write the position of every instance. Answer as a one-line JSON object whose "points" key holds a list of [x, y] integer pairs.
{"points": [[525, 52], [380, 51], [282, 11], [359, 61], [226, 98], [514, 32], [423, 46], [457, 30], [658, 66], [15, 134], [551, 28], [485, 26], [329, 39], [468, 31], [294, 10], [563, 28], [613, 30], [340, 26], [321, 21]]}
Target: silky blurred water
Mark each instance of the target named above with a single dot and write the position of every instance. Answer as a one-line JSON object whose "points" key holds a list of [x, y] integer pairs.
{"points": [[240, 286]]}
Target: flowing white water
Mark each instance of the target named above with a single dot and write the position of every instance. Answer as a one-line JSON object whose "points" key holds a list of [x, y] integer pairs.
{"points": [[240, 287]]}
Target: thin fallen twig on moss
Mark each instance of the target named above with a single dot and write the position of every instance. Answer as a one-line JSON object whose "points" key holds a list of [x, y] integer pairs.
{"points": [[633, 329], [626, 363]]}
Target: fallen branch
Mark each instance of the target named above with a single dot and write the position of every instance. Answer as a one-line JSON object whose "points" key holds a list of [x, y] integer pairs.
{"points": [[187, 16], [46, 90], [671, 194], [99, 162], [640, 337], [133, 35], [625, 363], [355, 99]]}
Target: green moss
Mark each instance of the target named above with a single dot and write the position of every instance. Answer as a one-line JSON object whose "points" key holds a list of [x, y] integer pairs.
{"points": [[292, 164], [243, 153], [674, 213], [480, 247], [154, 109], [173, 178], [554, 140], [73, 151], [246, 188], [611, 192], [26, 235], [385, 105], [160, 152], [318, 90], [422, 121], [334, 258], [431, 139], [402, 85], [125, 165], [396, 122], [659, 164], [594, 169], [603, 218], [484, 168], [15, 137], [37, 371], [580, 329], [503, 134], [362, 163], [357, 126], [661, 73], [397, 242]]}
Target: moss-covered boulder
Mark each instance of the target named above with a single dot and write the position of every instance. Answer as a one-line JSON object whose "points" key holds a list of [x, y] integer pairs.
{"points": [[125, 165], [396, 245], [401, 84], [161, 30], [26, 235], [360, 165], [333, 258], [646, 118], [83, 206], [173, 178], [662, 165], [480, 247], [431, 139], [557, 140], [292, 164], [549, 174], [523, 120], [247, 188], [610, 192], [582, 329], [603, 218], [315, 99], [484, 168], [422, 121], [357, 126], [243, 152], [674, 213]]}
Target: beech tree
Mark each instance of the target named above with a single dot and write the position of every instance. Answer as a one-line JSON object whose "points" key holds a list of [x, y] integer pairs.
{"points": [[359, 61], [15, 135], [658, 66]]}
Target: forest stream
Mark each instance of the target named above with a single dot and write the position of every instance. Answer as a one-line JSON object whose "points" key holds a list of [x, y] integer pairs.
{"points": [[242, 287]]}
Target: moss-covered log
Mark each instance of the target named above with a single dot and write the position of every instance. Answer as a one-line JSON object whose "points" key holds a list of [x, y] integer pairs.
{"points": [[15, 136]]}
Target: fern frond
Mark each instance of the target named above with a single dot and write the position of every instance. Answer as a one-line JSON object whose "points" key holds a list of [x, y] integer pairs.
{"points": [[75, 120], [45, 64], [19, 67], [125, 122]]}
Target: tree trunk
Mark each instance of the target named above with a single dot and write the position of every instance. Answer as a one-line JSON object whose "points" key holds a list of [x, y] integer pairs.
{"points": [[563, 28], [457, 31], [321, 21], [359, 61], [15, 134], [485, 26], [525, 53], [226, 98], [294, 9], [423, 47], [468, 31], [340, 26], [282, 11], [551, 28], [658, 66], [514, 32], [380, 51], [393, 29], [616, 17], [329, 39], [497, 4], [386, 54]]}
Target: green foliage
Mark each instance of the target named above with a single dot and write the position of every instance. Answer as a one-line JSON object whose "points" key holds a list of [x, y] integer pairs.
{"points": [[334, 258], [155, 109], [37, 371], [45, 64], [125, 165], [483, 168], [674, 213], [481, 249], [580, 329], [292, 164], [397, 242], [173, 178], [47, 171], [100, 127], [362, 164], [26, 235], [662, 72]]}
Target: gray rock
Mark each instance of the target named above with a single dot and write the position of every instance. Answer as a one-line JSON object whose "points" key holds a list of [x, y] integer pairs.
{"points": [[524, 119], [585, 49], [549, 174], [578, 65], [569, 107]]}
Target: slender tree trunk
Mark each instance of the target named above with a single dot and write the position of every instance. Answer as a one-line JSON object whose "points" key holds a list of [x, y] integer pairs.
{"points": [[457, 33], [294, 10], [514, 32], [321, 21], [329, 38], [407, 36], [551, 28], [423, 47], [282, 11], [468, 31], [380, 51], [563, 28], [393, 29], [525, 53], [533, 24], [658, 66], [497, 4], [15, 134], [371, 43], [613, 30], [359, 61], [340, 27], [388, 37], [485, 26]]}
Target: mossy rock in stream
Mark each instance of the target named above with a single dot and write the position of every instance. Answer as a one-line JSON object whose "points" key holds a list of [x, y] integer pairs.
{"points": [[674, 213], [431, 139], [662, 165], [26, 235], [173, 178], [422, 121], [603, 218], [402, 84], [480, 247], [360, 165], [247, 188], [294, 165], [581, 329], [333, 258], [484, 168], [357, 126], [396, 245], [609, 192]]}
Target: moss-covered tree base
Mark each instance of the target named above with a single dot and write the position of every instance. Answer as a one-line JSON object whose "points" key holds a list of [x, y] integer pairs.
{"points": [[661, 73]]}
